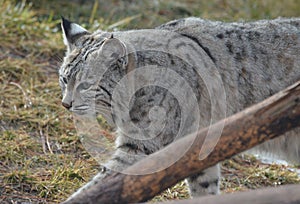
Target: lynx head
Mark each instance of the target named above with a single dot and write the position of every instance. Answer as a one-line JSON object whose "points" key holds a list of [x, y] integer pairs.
{"points": [[93, 64]]}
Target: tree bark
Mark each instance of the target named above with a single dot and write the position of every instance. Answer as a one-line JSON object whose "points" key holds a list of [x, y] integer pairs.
{"points": [[252, 126]]}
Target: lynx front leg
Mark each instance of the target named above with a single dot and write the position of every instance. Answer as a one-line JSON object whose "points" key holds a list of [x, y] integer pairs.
{"points": [[125, 156], [205, 182]]}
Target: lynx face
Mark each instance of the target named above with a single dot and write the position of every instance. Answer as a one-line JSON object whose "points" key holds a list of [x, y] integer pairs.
{"points": [[85, 76]]}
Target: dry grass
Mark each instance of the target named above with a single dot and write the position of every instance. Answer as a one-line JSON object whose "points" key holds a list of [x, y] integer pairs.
{"points": [[243, 173], [41, 157]]}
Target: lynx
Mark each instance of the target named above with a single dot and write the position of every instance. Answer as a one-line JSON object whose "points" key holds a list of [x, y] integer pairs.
{"points": [[224, 66]]}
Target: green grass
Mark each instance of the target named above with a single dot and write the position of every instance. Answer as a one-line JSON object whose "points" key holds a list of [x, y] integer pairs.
{"points": [[41, 157], [147, 14]]}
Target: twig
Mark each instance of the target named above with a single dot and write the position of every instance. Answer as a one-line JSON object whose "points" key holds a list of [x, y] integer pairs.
{"points": [[43, 140], [27, 101]]}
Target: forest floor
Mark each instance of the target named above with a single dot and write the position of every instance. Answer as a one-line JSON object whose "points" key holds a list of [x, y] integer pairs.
{"points": [[41, 157]]}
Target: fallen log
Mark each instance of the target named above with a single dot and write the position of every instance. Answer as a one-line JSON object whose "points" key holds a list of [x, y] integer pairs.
{"points": [[288, 194], [252, 126]]}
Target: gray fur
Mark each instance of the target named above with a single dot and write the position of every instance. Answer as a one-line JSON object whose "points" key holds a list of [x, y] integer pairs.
{"points": [[255, 60]]}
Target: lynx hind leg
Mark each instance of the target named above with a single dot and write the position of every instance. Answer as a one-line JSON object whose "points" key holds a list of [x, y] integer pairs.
{"points": [[205, 182], [124, 157]]}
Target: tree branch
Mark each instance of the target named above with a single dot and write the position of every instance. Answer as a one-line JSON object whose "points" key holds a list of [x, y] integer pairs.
{"points": [[263, 121]]}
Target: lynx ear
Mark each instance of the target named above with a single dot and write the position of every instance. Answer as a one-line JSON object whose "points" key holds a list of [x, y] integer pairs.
{"points": [[71, 32], [114, 49]]}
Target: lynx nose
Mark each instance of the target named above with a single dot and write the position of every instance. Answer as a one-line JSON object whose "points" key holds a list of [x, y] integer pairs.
{"points": [[66, 105]]}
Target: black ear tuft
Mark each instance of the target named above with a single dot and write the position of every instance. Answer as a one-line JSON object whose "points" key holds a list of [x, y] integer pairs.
{"points": [[66, 26], [71, 32]]}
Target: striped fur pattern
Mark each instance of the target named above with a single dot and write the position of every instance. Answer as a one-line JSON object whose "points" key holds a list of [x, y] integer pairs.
{"points": [[255, 60]]}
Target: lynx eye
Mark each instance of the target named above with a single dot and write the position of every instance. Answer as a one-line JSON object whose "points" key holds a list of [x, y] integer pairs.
{"points": [[84, 86]]}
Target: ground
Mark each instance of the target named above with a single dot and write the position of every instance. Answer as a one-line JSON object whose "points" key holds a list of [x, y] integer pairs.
{"points": [[41, 157]]}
